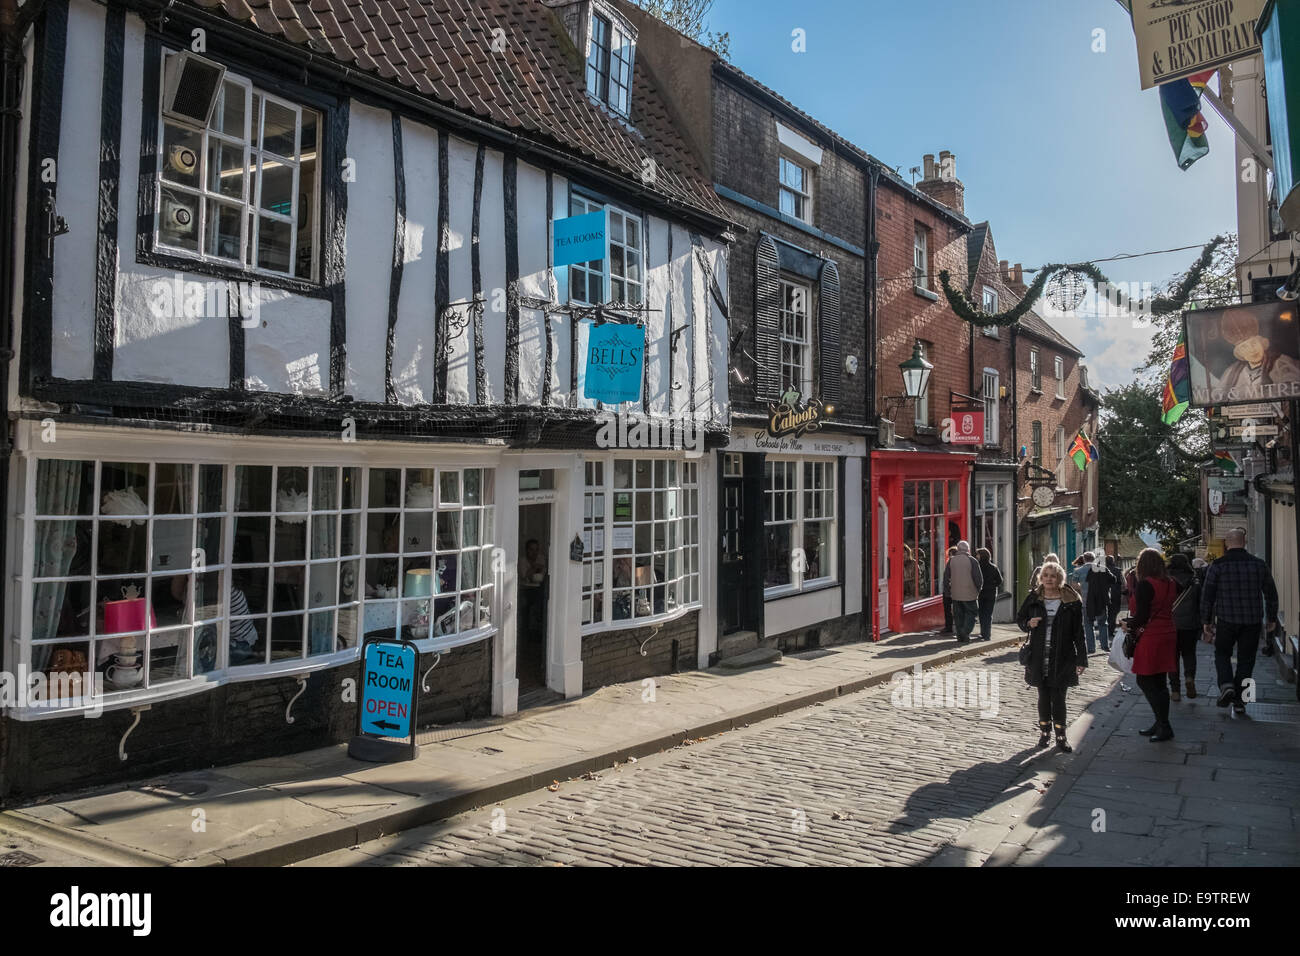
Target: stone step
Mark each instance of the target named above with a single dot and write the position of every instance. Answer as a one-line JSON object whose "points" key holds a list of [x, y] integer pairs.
{"points": [[759, 655], [737, 642]]}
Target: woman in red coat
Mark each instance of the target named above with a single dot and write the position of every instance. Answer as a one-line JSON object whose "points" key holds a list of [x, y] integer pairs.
{"points": [[1152, 627]]}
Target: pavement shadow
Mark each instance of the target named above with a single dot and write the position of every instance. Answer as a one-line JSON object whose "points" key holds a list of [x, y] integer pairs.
{"points": [[964, 793]]}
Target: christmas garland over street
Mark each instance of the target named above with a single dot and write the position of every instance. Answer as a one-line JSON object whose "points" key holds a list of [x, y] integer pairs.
{"points": [[1161, 305]]}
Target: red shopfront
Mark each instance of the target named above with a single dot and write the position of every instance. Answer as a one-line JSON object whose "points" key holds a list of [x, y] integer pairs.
{"points": [[922, 501]]}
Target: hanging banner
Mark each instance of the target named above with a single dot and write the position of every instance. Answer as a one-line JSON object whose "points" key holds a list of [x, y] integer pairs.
{"points": [[578, 239], [965, 427], [1178, 38], [1243, 353], [792, 417], [615, 355]]}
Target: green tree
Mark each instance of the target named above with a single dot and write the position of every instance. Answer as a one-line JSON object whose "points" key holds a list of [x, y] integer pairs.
{"points": [[1149, 478], [688, 16]]}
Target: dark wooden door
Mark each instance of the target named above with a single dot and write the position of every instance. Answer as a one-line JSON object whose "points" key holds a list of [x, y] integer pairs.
{"points": [[733, 592]]}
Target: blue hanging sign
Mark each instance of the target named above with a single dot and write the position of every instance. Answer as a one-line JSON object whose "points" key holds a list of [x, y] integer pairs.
{"points": [[578, 239], [615, 355], [388, 685]]}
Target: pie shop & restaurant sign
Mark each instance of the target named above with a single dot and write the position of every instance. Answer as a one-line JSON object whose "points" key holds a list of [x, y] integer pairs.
{"points": [[1178, 38]]}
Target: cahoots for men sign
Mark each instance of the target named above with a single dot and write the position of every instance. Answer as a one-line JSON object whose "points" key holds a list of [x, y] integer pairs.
{"points": [[1178, 38], [1243, 353], [615, 355], [791, 418]]}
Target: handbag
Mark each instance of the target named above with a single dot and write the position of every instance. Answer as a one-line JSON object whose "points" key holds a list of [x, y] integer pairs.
{"points": [[1130, 644], [1024, 654]]}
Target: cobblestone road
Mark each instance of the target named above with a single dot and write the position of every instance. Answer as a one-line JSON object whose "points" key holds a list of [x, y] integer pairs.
{"points": [[854, 781]]}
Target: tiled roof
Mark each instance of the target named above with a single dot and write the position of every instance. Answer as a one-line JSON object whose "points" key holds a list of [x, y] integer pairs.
{"points": [[1035, 324], [863, 156], [975, 251], [535, 87]]}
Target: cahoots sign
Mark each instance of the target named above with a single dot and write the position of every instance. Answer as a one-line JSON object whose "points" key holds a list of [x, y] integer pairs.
{"points": [[791, 418]]}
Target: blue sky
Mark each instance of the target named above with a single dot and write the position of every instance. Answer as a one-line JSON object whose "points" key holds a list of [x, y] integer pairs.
{"points": [[1058, 146]]}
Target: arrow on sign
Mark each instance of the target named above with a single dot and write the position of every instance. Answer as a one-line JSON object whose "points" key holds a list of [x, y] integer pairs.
{"points": [[385, 725]]}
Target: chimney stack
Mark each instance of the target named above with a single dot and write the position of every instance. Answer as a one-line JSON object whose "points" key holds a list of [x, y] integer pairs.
{"points": [[941, 183]]}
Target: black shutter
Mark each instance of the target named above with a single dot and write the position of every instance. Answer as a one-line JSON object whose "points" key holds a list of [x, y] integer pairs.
{"points": [[767, 318], [829, 320]]}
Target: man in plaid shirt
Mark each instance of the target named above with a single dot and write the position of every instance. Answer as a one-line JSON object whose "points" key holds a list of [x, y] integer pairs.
{"points": [[1240, 594]]}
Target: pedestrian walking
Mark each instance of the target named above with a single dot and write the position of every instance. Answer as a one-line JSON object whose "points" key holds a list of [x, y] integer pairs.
{"points": [[963, 579], [1052, 615], [1238, 600], [1187, 625], [1116, 594], [1097, 602], [1033, 578], [1150, 638], [1078, 580], [992, 586], [947, 595]]}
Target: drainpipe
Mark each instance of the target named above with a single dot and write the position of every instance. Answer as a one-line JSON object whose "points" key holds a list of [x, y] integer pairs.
{"points": [[871, 613], [11, 77], [1015, 454]]}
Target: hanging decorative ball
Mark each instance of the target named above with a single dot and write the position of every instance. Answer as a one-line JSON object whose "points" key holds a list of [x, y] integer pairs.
{"points": [[1066, 289]]}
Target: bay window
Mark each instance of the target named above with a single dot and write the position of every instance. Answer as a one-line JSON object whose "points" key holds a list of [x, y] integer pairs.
{"points": [[800, 518], [154, 573], [640, 537]]}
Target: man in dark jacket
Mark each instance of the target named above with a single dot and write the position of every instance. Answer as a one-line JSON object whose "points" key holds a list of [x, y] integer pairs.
{"points": [[1238, 598], [1116, 594], [1097, 603]]}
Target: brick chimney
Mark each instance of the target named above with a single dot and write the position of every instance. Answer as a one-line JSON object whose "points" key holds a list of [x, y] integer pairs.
{"points": [[1015, 277], [941, 183]]}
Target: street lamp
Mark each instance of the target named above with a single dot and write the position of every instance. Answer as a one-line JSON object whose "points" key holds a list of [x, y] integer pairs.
{"points": [[916, 373]]}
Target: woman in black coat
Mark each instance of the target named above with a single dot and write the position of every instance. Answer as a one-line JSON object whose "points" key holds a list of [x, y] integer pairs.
{"points": [[1052, 615]]}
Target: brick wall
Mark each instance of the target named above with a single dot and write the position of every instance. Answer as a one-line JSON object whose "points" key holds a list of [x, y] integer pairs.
{"points": [[611, 657], [230, 724], [747, 159], [907, 314], [1073, 411], [995, 353]]}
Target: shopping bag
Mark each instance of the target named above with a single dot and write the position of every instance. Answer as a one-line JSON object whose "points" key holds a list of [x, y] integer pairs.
{"points": [[1117, 659]]}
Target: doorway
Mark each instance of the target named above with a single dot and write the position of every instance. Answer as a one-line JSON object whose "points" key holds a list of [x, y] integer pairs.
{"points": [[882, 563], [731, 564], [532, 640]]}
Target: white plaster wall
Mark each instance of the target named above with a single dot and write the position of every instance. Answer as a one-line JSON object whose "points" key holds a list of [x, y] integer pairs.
{"points": [[534, 257], [560, 322], [804, 610], [414, 332], [369, 249], [719, 334], [658, 372], [680, 270], [288, 351], [73, 338], [460, 203], [492, 265]]}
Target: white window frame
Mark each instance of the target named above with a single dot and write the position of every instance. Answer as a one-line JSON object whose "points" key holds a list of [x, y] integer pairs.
{"points": [[629, 252], [1059, 364], [603, 528], [1001, 518], [801, 196], [1060, 448], [796, 507], [152, 450], [256, 160], [1035, 371], [613, 80], [1036, 443], [990, 304], [921, 257], [990, 393], [795, 295]]}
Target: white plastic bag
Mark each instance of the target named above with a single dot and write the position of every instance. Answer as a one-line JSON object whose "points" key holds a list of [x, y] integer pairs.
{"points": [[1117, 659]]}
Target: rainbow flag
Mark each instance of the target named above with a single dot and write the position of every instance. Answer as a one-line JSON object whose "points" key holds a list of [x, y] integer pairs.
{"points": [[1225, 461], [1083, 450], [1178, 388], [1184, 121]]}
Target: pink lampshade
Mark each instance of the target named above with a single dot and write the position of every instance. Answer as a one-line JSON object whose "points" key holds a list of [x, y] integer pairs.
{"points": [[122, 617]]}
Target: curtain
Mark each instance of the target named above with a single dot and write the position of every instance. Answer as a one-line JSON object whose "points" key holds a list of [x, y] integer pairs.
{"points": [[58, 486]]}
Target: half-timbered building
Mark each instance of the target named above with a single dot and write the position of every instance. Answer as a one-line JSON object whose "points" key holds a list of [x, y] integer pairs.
{"points": [[296, 365]]}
